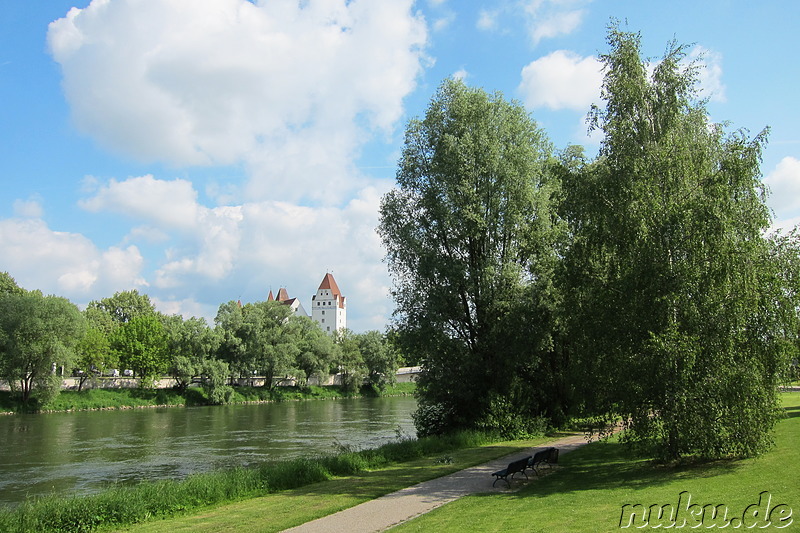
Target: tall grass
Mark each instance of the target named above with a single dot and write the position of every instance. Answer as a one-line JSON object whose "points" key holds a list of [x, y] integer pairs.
{"points": [[123, 505]]}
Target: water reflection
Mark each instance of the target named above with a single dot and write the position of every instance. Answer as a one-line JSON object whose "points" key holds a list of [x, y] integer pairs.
{"points": [[84, 452]]}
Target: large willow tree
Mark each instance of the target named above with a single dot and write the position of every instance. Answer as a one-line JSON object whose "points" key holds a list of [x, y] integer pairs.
{"points": [[470, 237], [678, 319]]}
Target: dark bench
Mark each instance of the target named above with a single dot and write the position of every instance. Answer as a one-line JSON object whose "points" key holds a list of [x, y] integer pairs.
{"points": [[548, 456], [513, 467]]}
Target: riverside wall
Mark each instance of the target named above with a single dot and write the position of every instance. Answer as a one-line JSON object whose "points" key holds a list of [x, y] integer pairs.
{"points": [[403, 375]]}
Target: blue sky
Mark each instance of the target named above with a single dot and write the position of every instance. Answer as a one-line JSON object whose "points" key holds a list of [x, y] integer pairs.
{"points": [[202, 151]]}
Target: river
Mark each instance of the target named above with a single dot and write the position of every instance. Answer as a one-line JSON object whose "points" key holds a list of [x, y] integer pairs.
{"points": [[84, 452]]}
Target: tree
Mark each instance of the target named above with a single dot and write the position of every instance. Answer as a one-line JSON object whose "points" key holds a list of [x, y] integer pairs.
{"points": [[471, 238], [94, 354], [8, 285], [380, 359], [349, 363], [257, 339], [214, 378], [230, 324], [317, 350], [669, 280], [37, 335], [124, 306], [141, 344], [191, 343]]}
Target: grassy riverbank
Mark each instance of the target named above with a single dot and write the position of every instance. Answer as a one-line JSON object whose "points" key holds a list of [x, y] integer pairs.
{"points": [[316, 486], [594, 482], [586, 492], [126, 398]]}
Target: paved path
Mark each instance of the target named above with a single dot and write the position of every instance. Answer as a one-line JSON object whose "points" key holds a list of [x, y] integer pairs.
{"points": [[387, 511]]}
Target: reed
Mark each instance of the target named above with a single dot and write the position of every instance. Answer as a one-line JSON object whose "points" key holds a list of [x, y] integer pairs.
{"points": [[124, 505]]}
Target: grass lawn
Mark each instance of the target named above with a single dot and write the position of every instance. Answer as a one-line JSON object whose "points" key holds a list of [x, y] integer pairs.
{"points": [[592, 484], [278, 511]]}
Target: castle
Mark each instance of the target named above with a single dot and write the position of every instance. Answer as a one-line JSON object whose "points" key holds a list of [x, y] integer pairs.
{"points": [[328, 306]]}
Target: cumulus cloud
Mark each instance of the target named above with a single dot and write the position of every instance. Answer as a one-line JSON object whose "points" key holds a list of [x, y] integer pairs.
{"points": [[551, 18], [562, 80], [291, 89], [167, 203], [784, 184], [32, 207], [67, 264], [240, 251]]}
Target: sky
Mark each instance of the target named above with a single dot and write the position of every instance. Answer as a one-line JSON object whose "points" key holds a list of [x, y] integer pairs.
{"points": [[203, 151]]}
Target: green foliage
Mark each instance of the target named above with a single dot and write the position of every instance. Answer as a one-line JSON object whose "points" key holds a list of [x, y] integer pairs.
{"points": [[141, 344], [317, 350], [94, 354], [472, 239], [8, 284], [380, 359], [675, 308], [257, 341], [215, 381], [37, 336], [191, 344], [124, 306], [350, 362]]}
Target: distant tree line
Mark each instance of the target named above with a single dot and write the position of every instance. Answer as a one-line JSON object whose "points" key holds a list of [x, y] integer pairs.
{"points": [[43, 336], [642, 285]]}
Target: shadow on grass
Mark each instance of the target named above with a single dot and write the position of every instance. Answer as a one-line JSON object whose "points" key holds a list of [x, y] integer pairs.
{"points": [[792, 411], [373, 484], [611, 465]]}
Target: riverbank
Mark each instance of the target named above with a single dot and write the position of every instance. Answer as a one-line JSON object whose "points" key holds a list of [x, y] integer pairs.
{"points": [[135, 398], [348, 476], [589, 490]]}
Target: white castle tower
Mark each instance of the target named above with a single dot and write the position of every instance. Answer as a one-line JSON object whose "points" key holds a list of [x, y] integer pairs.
{"points": [[328, 307]]}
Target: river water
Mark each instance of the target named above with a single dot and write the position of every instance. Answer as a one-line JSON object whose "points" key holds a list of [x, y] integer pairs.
{"points": [[84, 452]]}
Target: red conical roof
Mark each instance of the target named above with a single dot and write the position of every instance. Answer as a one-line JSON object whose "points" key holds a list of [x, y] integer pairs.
{"points": [[329, 283]]}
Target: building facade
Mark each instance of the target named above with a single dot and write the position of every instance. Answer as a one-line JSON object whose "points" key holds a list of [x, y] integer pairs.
{"points": [[328, 306]]}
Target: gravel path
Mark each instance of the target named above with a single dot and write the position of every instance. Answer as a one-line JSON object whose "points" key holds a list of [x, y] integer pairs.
{"points": [[387, 511]]}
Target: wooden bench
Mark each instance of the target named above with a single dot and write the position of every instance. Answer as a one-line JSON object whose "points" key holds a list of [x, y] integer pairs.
{"points": [[513, 467], [548, 456]]}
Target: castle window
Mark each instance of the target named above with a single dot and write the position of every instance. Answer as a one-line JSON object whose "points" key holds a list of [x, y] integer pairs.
{"points": [[323, 311]]}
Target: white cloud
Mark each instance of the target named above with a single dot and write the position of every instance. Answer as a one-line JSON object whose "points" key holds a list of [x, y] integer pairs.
{"points": [[784, 185], [710, 73], [31, 207], [292, 89], [238, 251], [460, 74], [551, 18], [562, 80], [168, 203], [67, 264], [487, 20], [444, 22]]}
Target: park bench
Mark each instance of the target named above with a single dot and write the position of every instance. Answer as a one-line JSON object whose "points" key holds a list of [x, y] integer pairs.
{"points": [[548, 456], [513, 467]]}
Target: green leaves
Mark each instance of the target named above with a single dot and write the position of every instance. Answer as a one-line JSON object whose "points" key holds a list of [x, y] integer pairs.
{"points": [[470, 226], [37, 337], [142, 346], [668, 266]]}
